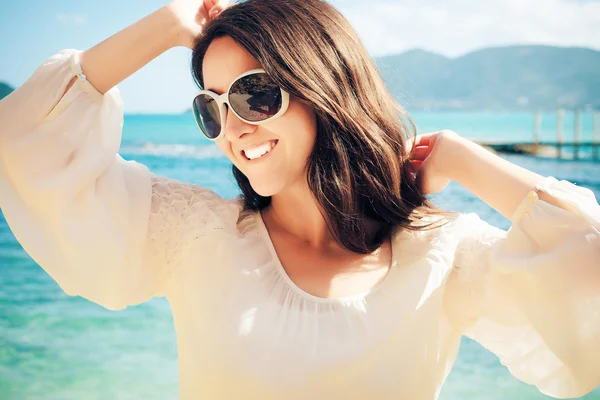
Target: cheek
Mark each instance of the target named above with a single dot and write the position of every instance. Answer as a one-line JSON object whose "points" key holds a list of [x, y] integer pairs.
{"points": [[300, 131], [296, 131], [225, 146]]}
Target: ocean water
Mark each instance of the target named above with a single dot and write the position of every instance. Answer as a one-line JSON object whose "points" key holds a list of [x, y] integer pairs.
{"points": [[53, 346]]}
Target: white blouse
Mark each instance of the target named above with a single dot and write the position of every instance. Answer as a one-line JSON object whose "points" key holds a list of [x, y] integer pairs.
{"points": [[112, 232]]}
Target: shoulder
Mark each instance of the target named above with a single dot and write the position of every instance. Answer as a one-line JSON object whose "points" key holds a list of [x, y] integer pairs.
{"points": [[460, 236], [193, 205], [458, 227], [432, 226]]}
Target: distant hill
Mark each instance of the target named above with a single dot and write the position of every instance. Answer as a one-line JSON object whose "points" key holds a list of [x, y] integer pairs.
{"points": [[5, 90], [503, 78]]}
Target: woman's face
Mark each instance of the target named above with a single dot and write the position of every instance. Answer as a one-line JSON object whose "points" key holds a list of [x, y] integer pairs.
{"points": [[293, 134]]}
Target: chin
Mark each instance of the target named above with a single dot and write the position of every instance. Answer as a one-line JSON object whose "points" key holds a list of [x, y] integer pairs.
{"points": [[267, 189]]}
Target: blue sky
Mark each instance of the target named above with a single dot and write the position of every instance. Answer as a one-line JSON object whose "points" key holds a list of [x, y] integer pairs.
{"points": [[32, 30]]}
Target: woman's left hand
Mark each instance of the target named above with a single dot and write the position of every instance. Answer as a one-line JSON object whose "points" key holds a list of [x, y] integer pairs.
{"points": [[433, 158]]}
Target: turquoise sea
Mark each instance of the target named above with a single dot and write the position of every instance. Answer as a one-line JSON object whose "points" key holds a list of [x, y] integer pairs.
{"points": [[57, 347]]}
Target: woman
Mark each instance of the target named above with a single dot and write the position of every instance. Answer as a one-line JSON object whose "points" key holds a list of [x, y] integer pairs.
{"points": [[331, 277]]}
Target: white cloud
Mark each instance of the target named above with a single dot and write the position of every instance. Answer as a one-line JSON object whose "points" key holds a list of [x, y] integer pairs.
{"points": [[454, 27], [71, 19]]}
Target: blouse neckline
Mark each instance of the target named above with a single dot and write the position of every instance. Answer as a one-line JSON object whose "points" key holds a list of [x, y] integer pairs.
{"points": [[264, 233]]}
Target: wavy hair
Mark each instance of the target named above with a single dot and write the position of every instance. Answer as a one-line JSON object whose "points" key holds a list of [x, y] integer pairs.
{"points": [[357, 169]]}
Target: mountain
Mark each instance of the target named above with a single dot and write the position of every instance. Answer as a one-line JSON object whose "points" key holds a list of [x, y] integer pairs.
{"points": [[5, 90], [502, 78]]}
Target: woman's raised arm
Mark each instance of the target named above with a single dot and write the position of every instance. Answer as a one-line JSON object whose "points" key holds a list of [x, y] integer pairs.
{"points": [[102, 227], [114, 59], [176, 24]]}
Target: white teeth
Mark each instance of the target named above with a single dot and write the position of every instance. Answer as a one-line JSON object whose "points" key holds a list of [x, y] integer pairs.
{"points": [[259, 150]]}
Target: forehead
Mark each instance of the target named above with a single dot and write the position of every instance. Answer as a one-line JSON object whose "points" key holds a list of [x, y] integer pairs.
{"points": [[224, 61]]}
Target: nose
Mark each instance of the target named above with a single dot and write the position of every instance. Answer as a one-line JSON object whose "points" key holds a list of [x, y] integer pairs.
{"points": [[235, 128]]}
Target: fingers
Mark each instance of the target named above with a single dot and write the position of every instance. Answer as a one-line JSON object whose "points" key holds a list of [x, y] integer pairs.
{"points": [[420, 147], [217, 6], [205, 8], [420, 153], [414, 165], [208, 4], [425, 139]]}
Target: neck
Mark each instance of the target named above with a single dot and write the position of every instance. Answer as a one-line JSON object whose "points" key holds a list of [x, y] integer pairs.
{"points": [[296, 212]]}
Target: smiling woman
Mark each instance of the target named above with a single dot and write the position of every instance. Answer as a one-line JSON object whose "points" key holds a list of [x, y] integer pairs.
{"points": [[331, 276], [344, 133]]}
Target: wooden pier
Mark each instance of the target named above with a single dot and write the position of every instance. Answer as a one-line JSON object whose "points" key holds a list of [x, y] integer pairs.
{"points": [[552, 148]]}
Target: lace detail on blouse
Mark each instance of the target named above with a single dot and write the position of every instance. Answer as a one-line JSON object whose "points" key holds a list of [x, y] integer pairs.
{"points": [[181, 213]]}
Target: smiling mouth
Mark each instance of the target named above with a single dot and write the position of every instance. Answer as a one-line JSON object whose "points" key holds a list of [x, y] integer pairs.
{"points": [[259, 152]]}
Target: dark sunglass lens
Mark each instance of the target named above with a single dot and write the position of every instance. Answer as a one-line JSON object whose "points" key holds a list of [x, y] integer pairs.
{"points": [[255, 97], [206, 112]]}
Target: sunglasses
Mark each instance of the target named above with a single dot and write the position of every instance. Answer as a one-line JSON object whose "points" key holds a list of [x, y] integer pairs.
{"points": [[252, 96]]}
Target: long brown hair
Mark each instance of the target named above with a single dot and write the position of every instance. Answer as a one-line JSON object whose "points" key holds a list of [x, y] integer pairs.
{"points": [[357, 168]]}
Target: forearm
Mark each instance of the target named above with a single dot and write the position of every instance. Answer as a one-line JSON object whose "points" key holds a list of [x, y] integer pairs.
{"points": [[114, 59], [496, 181]]}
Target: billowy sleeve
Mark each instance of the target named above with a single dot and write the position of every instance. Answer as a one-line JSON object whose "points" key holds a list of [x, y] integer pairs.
{"points": [[531, 295], [102, 227]]}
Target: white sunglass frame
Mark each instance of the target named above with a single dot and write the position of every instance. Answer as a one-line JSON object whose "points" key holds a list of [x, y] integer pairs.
{"points": [[223, 99]]}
